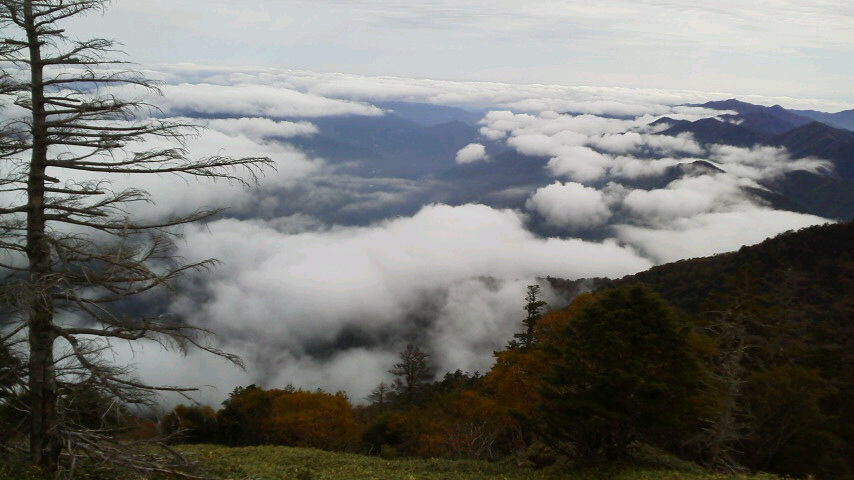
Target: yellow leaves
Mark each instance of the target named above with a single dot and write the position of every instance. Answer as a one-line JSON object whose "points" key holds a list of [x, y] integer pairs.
{"points": [[293, 417], [516, 378], [312, 419], [550, 326]]}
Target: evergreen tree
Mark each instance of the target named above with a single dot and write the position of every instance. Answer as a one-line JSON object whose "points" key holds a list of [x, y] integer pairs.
{"points": [[533, 307], [623, 371]]}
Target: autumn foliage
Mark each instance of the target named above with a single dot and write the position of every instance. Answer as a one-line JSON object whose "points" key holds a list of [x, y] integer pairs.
{"points": [[313, 419], [738, 377], [255, 416]]}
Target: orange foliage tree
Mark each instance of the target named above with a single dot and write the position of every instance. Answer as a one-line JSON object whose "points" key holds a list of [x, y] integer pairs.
{"points": [[463, 423], [515, 380], [254, 416], [469, 425], [313, 419], [487, 417]]}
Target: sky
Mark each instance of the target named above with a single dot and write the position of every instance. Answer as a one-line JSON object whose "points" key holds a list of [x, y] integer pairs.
{"points": [[787, 48]]}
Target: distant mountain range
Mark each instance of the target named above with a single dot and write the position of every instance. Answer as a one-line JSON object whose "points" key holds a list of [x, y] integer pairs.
{"points": [[797, 118], [844, 119], [388, 145], [418, 142], [828, 194]]}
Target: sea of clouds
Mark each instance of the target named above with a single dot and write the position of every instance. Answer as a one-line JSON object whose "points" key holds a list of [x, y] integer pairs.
{"points": [[309, 300]]}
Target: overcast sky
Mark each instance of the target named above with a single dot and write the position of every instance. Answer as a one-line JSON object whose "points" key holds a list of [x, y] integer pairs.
{"points": [[769, 47]]}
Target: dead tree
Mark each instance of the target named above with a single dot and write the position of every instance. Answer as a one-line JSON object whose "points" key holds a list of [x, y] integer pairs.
{"points": [[380, 396], [70, 252], [412, 372]]}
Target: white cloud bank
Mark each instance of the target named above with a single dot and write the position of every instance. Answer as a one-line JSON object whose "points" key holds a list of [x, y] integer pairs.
{"points": [[259, 128], [587, 148], [713, 232], [328, 306], [530, 98], [570, 205], [256, 100], [281, 295]]}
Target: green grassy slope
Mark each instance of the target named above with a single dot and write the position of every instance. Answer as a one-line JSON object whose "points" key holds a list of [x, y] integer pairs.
{"points": [[285, 463]]}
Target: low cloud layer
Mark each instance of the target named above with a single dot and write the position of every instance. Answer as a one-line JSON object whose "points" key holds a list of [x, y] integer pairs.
{"points": [[256, 100], [713, 232], [533, 98], [327, 274], [300, 297], [259, 128], [317, 304]]}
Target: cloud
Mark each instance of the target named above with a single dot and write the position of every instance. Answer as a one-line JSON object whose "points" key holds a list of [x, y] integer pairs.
{"points": [[177, 195], [490, 95], [683, 198], [214, 377], [550, 123], [587, 148], [532, 98], [570, 205], [534, 144], [173, 195], [476, 316], [579, 163], [259, 129], [309, 298], [681, 144], [296, 299], [712, 232], [763, 162], [255, 100], [473, 152], [634, 142], [632, 168], [355, 371]]}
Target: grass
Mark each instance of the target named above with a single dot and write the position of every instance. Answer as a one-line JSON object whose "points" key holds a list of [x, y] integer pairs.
{"points": [[285, 463]]}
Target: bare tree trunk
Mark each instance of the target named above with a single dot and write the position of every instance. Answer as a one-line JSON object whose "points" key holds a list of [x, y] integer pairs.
{"points": [[44, 434], [84, 254]]}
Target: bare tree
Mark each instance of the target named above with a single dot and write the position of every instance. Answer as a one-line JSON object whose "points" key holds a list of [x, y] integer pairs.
{"points": [[71, 253], [412, 371], [380, 395], [728, 422]]}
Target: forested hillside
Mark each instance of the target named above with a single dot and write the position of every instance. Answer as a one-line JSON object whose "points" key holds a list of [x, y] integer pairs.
{"points": [[785, 309], [810, 268], [737, 362]]}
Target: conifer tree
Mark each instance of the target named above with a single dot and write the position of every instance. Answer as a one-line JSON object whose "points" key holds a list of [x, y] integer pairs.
{"points": [[533, 307], [623, 370]]}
